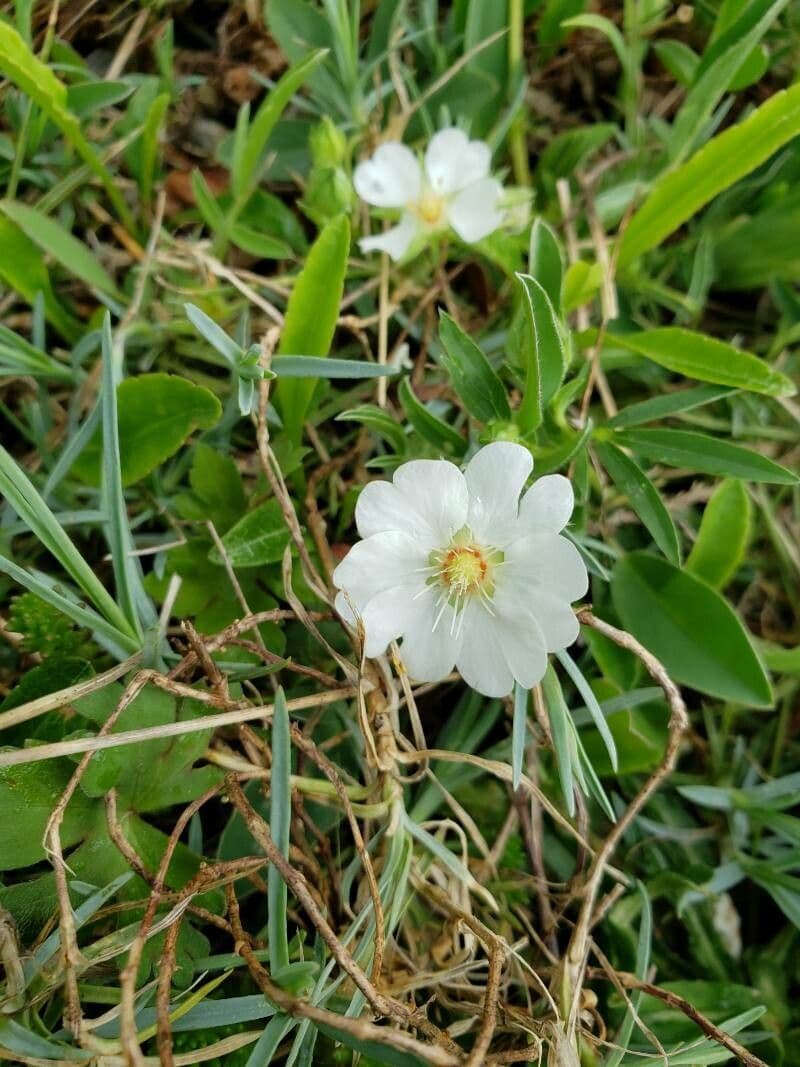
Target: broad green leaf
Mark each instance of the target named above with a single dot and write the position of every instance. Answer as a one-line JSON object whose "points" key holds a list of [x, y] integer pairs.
{"points": [[706, 455], [545, 349], [311, 317], [679, 194], [28, 795], [644, 498], [53, 239], [151, 774], [37, 81], [662, 407], [280, 821], [718, 67], [157, 413], [690, 628], [430, 428], [705, 359], [640, 735], [477, 385], [22, 269], [723, 535], [85, 98], [679, 59], [380, 422], [258, 538], [762, 247], [546, 262], [217, 491]]}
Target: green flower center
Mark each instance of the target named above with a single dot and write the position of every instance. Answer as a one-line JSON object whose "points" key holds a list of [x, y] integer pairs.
{"points": [[465, 569]]}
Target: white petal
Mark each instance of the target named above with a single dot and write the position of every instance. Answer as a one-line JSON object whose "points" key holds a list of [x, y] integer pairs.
{"points": [[437, 490], [547, 614], [548, 504], [430, 654], [473, 213], [383, 561], [495, 477], [395, 241], [452, 161], [382, 507], [548, 562], [388, 616], [481, 661], [391, 178], [523, 646]]}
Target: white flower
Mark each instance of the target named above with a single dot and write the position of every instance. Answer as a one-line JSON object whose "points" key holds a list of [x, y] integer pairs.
{"points": [[453, 189], [466, 573]]}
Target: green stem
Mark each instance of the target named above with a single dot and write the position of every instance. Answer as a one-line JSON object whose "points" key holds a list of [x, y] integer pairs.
{"points": [[518, 134]]}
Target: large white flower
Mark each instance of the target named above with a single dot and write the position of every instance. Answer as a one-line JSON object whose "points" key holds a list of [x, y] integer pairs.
{"points": [[453, 189], [463, 571]]}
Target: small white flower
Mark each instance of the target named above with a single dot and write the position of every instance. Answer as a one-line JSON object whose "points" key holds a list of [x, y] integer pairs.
{"points": [[463, 571], [453, 189]]}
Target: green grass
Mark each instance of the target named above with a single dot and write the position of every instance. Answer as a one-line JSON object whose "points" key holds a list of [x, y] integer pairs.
{"points": [[199, 370]]}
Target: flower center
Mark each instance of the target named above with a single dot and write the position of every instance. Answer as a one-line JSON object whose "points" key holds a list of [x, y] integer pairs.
{"points": [[430, 208], [464, 569]]}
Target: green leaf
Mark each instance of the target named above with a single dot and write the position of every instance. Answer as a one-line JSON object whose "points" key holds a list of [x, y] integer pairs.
{"points": [[264, 122], [723, 535], [640, 736], [430, 428], [132, 598], [762, 247], [661, 407], [546, 262], [479, 387], [707, 455], [690, 628], [152, 774], [37, 81], [644, 498], [316, 367], [22, 269], [311, 317], [562, 730], [280, 820], [28, 795], [18, 356], [519, 733], [218, 493], [546, 358], [258, 538], [374, 1051], [718, 67], [25, 500], [679, 59], [157, 413], [679, 194], [51, 237], [705, 359], [380, 422]]}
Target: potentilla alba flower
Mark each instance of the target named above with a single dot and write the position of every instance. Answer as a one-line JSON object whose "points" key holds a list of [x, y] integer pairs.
{"points": [[463, 571], [452, 190]]}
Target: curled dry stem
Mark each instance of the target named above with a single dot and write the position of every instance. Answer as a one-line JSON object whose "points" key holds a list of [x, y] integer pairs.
{"points": [[380, 1003], [570, 976]]}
